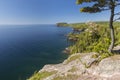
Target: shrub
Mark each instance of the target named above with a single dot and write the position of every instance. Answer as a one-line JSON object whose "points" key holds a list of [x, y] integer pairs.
{"points": [[95, 38]]}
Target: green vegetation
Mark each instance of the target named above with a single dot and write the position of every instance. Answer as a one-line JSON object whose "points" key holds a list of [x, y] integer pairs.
{"points": [[99, 6], [95, 38], [73, 57], [73, 69], [102, 56], [67, 77], [41, 75], [62, 24]]}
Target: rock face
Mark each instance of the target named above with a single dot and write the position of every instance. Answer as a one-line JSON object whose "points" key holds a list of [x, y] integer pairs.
{"points": [[82, 67], [109, 67]]}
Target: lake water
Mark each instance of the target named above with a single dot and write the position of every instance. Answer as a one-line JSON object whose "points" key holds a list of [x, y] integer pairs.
{"points": [[26, 49]]}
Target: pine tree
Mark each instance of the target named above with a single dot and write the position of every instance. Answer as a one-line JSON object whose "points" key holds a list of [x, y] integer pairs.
{"points": [[103, 5]]}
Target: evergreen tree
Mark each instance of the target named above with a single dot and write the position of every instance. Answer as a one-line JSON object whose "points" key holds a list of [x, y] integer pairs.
{"points": [[103, 5]]}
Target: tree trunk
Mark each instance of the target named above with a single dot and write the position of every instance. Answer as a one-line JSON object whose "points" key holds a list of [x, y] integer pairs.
{"points": [[112, 29]]}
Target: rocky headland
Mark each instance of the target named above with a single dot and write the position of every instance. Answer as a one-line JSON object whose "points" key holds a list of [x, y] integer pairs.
{"points": [[81, 66]]}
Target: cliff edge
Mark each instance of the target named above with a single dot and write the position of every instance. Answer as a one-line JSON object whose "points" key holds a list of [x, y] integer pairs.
{"points": [[81, 67]]}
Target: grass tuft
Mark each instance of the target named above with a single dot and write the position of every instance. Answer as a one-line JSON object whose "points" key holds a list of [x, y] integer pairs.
{"points": [[41, 75]]}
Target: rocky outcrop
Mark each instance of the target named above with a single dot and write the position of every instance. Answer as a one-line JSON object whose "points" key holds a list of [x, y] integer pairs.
{"points": [[82, 67]]}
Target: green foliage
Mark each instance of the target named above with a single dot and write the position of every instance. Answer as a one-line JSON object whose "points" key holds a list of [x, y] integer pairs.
{"points": [[102, 5], [95, 38], [73, 57], [73, 69], [67, 77], [81, 1], [90, 10], [95, 56], [62, 24], [118, 38], [117, 33], [73, 37], [102, 45], [104, 55], [98, 5]]}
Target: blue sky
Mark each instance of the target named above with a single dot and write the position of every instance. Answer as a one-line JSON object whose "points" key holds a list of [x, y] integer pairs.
{"points": [[45, 12]]}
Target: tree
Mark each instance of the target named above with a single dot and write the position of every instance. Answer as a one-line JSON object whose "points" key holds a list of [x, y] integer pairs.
{"points": [[103, 5]]}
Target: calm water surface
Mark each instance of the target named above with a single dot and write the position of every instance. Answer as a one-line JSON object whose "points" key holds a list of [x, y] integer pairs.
{"points": [[26, 49]]}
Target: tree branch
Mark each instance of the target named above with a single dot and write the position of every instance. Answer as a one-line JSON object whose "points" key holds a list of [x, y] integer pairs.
{"points": [[117, 13], [105, 9], [117, 4], [117, 19]]}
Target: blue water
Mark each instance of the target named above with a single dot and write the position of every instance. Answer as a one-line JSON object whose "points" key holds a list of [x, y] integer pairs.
{"points": [[25, 49]]}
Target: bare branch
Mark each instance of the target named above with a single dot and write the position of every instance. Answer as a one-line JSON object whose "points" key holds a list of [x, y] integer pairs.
{"points": [[105, 9], [117, 4], [117, 19], [117, 13]]}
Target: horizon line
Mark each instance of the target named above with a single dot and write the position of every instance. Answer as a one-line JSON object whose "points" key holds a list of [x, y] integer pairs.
{"points": [[50, 23]]}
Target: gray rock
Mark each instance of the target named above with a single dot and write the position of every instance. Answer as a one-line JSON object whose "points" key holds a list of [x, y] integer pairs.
{"points": [[109, 66], [75, 66]]}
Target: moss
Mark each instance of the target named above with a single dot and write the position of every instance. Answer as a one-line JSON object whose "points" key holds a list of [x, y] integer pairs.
{"points": [[104, 55], [41, 75], [67, 77], [73, 69], [95, 56], [74, 57]]}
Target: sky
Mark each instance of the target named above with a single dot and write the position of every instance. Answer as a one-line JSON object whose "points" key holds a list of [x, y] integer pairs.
{"points": [[45, 12]]}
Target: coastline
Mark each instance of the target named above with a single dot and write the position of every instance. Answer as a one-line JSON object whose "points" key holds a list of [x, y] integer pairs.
{"points": [[93, 58]]}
